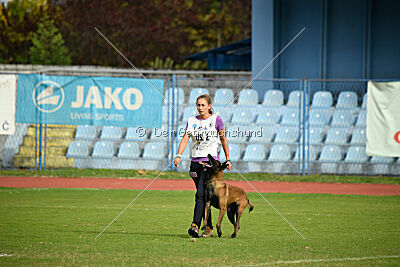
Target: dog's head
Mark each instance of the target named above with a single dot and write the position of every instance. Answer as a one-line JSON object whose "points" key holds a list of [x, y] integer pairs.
{"points": [[215, 167]]}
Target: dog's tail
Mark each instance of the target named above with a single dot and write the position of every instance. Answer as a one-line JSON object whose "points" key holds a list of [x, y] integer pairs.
{"points": [[251, 206]]}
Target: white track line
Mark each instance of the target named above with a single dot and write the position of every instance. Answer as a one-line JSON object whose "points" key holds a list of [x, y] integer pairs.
{"points": [[326, 260]]}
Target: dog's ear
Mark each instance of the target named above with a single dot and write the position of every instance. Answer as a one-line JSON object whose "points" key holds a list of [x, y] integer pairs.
{"points": [[213, 162]]}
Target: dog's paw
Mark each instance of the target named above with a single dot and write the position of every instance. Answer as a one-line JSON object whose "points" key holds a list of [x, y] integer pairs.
{"points": [[233, 235]]}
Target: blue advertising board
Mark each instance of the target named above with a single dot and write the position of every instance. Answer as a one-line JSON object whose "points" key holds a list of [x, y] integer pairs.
{"points": [[124, 102]]}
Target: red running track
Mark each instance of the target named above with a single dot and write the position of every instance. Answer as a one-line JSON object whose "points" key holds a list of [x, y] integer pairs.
{"points": [[164, 184]]}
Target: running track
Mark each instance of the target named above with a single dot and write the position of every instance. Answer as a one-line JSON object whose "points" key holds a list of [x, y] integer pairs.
{"points": [[187, 184]]}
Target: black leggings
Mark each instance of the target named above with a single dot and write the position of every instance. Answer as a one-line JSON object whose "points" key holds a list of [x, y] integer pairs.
{"points": [[198, 175]]}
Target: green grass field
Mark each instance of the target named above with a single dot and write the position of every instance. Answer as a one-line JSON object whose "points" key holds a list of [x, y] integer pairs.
{"points": [[58, 227]]}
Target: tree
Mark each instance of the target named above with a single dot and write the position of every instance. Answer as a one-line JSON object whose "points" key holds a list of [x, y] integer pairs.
{"points": [[48, 45]]}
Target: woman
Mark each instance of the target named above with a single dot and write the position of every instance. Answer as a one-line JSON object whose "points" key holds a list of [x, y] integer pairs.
{"points": [[204, 129]]}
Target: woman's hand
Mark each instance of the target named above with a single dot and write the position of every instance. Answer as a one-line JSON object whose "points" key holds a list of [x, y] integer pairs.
{"points": [[177, 160], [229, 165]]}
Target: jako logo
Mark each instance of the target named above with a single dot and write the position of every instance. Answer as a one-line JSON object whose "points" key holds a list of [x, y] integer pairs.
{"points": [[48, 96], [397, 137]]}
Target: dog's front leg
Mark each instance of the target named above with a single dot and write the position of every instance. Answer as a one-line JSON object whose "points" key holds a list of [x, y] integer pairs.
{"points": [[221, 215], [206, 213]]}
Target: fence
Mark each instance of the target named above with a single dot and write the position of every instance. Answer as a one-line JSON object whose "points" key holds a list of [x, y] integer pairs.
{"points": [[286, 126]]}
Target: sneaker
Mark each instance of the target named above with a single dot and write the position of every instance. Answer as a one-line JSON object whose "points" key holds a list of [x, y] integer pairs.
{"points": [[194, 230], [208, 232]]}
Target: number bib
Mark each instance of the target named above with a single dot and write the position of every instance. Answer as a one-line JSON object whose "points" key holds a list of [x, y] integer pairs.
{"points": [[204, 136]]}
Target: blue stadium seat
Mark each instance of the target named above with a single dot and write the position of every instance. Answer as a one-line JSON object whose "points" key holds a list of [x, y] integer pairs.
{"points": [[242, 116], [291, 117], [279, 153], [189, 112], [224, 113], [78, 149], [103, 150], [362, 119], [322, 99], [356, 154], [316, 136], [238, 133], [364, 102], [381, 160], [223, 96], [308, 152], [287, 135], [336, 136], [154, 150], [136, 134], [248, 97], [234, 153], [347, 99], [169, 96], [273, 98], [358, 137], [330, 153], [261, 135], [254, 152], [111, 133], [86, 132], [196, 92], [295, 98], [319, 117], [267, 116], [128, 150], [342, 118]]}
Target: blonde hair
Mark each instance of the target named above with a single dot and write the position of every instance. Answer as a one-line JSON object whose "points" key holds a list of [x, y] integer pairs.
{"points": [[209, 101]]}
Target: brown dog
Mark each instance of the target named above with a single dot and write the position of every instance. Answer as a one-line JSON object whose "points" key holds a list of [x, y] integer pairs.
{"points": [[224, 197]]}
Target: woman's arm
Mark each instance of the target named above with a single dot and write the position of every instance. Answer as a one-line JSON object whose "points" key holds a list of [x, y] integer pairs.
{"points": [[224, 142], [181, 148]]}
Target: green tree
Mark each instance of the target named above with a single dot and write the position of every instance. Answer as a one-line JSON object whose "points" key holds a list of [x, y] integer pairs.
{"points": [[48, 45]]}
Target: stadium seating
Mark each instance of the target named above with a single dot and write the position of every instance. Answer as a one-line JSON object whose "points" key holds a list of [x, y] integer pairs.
{"points": [[78, 149], [322, 99], [136, 134], [356, 154], [128, 150], [238, 134], [319, 117], [160, 134], [86, 132], [178, 93], [295, 98], [248, 97], [336, 136], [342, 118], [291, 117], [103, 150], [347, 99], [308, 152], [279, 153], [364, 102], [261, 135], [358, 137], [111, 133], [381, 160], [267, 116], [273, 98], [223, 96], [224, 113], [316, 136], [362, 119], [196, 92], [154, 151], [242, 116], [189, 112], [254, 152], [234, 153], [330, 153], [287, 135]]}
